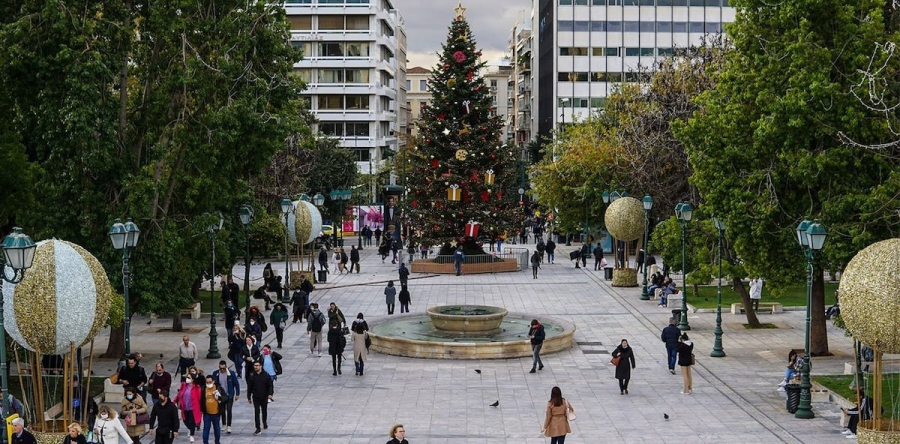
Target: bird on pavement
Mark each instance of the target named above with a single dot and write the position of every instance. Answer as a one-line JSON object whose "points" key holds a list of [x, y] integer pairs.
{"points": [[496, 403], [478, 371], [666, 416]]}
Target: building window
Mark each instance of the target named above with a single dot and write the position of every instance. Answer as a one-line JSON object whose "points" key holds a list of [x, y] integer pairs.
{"points": [[357, 49], [578, 51], [330, 101], [598, 102], [357, 76], [331, 76], [423, 85], [331, 22], [331, 128], [612, 52], [565, 2], [408, 84], [358, 129], [614, 26], [597, 52], [303, 74], [357, 2], [598, 76], [632, 52], [697, 27], [665, 52], [679, 26], [339, 2], [582, 25], [300, 22], [358, 102], [295, 2], [362, 154], [331, 49], [357, 23], [581, 2], [614, 77], [631, 26], [648, 26], [664, 27]]}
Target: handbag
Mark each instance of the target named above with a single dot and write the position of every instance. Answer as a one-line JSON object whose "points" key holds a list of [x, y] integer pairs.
{"points": [[693, 361], [90, 437], [615, 361], [570, 414], [368, 341], [345, 331]]}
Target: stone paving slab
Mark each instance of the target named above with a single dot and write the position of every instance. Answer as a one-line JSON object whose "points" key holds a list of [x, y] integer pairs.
{"points": [[442, 401]]}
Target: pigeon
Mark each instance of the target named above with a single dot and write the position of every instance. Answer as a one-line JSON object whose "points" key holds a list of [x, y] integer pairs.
{"points": [[666, 416], [496, 403], [478, 371]]}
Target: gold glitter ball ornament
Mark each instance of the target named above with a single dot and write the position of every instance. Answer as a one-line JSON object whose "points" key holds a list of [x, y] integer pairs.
{"points": [[304, 223], [461, 154], [65, 297], [870, 296], [625, 219]]}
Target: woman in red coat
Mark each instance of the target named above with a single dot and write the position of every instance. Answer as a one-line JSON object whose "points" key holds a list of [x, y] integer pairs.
{"points": [[188, 400]]}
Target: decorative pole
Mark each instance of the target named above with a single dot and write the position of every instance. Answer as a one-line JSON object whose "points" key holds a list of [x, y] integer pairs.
{"points": [[648, 205], [811, 237], [717, 351], [684, 211], [211, 230], [246, 214]]}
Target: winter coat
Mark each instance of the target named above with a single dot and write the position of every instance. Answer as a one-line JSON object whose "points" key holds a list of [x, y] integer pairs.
{"points": [[195, 395], [233, 387], [404, 273], [389, 294], [626, 362], [354, 256], [404, 296], [360, 330], [336, 316], [556, 423], [277, 316], [550, 247], [259, 387], [685, 353], [110, 430], [223, 396], [167, 415], [336, 341], [670, 336], [138, 406], [538, 332]]}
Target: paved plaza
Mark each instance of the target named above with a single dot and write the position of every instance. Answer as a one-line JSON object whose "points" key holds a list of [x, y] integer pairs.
{"points": [[444, 401]]}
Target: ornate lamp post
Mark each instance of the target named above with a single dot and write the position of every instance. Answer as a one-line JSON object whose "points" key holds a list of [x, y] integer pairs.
{"points": [[18, 255], [211, 230], [246, 214], [811, 237], [125, 237], [648, 205], [683, 211], [287, 207], [342, 196], [717, 351], [359, 242]]}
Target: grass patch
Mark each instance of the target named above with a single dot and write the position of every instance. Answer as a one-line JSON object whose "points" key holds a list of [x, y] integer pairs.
{"points": [[794, 296], [760, 327], [840, 384]]}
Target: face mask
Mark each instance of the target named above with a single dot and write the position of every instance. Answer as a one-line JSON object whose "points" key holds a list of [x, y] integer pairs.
{"points": [[210, 385], [252, 322], [229, 304], [104, 416], [187, 381], [265, 352], [129, 397]]}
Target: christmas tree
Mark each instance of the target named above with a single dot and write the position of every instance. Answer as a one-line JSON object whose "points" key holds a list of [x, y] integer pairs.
{"points": [[463, 174]]}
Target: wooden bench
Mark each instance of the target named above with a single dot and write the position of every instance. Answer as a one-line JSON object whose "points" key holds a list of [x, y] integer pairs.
{"points": [[192, 311], [775, 307]]}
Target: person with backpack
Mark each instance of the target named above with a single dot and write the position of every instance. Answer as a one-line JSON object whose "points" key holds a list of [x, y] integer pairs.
{"points": [[404, 274], [314, 328], [541, 247], [535, 264], [550, 248], [336, 344]]}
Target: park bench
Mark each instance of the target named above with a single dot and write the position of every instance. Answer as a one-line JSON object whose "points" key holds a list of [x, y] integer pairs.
{"points": [[774, 307], [193, 311]]}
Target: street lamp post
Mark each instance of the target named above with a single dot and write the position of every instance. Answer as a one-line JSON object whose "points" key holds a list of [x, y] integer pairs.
{"points": [[811, 237], [342, 196], [211, 230], [683, 211], [359, 226], [125, 237], [246, 214], [18, 254], [648, 205], [287, 207], [717, 351]]}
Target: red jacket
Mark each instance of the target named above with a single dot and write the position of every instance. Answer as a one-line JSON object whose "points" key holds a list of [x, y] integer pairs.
{"points": [[195, 401]]}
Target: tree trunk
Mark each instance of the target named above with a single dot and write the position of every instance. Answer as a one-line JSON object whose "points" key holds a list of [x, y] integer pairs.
{"points": [[818, 330], [115, 348], [176, 323], [739, 287]]}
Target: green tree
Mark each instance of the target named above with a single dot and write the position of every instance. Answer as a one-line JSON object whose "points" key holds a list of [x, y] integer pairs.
{"points": [[460, 143], [765, 147]]}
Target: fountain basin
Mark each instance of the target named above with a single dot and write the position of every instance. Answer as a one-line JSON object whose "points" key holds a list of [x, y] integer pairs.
{"points": [[467, 319]]}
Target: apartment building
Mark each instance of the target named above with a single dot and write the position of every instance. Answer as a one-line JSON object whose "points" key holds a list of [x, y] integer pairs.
{"points": [[585, 48], [520, 80], [355, 66]]}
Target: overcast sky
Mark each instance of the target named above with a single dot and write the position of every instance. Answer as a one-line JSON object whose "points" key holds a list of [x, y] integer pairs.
{"points": [[427, 23]]}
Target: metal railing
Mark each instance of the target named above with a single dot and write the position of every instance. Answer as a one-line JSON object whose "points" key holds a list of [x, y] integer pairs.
{"points": [[512, 259]]}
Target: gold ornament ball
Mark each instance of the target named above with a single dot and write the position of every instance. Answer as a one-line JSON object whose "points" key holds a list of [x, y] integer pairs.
{"points": [[461, 154], [870, 296], [625, 219]]}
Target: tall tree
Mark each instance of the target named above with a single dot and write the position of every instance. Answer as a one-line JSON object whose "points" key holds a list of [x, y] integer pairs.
{"points": [[459, 147], [765, 147]]}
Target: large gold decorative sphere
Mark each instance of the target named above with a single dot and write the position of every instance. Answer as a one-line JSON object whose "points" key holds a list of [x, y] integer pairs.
{"points": [[870, 296], [625, 219]]}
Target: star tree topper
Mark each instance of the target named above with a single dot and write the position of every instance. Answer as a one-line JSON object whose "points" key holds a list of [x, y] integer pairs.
{"points": [[460, 11]]}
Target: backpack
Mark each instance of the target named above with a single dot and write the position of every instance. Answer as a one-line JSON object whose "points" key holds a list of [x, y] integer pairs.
{"points": [[316, 324]]}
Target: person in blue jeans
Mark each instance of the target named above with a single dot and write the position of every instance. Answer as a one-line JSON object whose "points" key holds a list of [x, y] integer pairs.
{"points": [[536, 334], [211, 404], [228, 380], [458, 258], [670, 336]]}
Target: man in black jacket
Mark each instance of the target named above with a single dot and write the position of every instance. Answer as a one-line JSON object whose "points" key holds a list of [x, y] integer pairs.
{"points": [[670, 336], [259, 392], [133, 375], [167, 414], [598, 256], [354, 259]]}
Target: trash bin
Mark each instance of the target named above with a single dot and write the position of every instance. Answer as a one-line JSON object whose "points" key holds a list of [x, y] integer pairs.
{"points": [[607, 273], [676, 313], [323, 276], [793, 397], [560, 238]]}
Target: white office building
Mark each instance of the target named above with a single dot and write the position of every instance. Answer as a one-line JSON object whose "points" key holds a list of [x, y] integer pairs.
{"points": [[355, 66], [584, 48]]}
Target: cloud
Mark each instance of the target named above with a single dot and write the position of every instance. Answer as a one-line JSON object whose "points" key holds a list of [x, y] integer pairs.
{"points": [[427, 23]]}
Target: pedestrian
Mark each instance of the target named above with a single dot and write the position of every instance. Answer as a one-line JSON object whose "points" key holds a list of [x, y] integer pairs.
{"points": [[230, 291], [236, 340], [317, 322], [232, 314], [249, 355], [336, 315], [585, 252], [344, 260], [368, 231], [268, 274], [133, 410], [404, 299], [255, 324], [336, 344], [550, 248], [212, 407], [556, 419], [107, 427], [541, 247], [404, 275], [458, 258], [397, 434], [360, 352], [389, 293], [861, 411], [196, 374], [278, 318], [423, 250], [598, 257], [323, 260], [259, 391], [271, 362], [670, 335], [640, 260], [188, 399], [22, 436], [75, 435], [536, 334], [336, 260], [377, 235], [411, 251], [756, 285], [133, 375], [651, 268], [166, 413], [686, 360], [535, 264], [228, 380], [187, 355], [500, 238], [395, 248], [623, 365], [354, 259], [383, 250]]}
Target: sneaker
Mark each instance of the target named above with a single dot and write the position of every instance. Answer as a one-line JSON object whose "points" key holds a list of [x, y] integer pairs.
{"points": [[851, 436], [781, 389], [672, 371], [533, 371], [311, 353], [228, 429], [257, 432], [320, 354], [541, 367], [846, 432], [191, 438]]}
